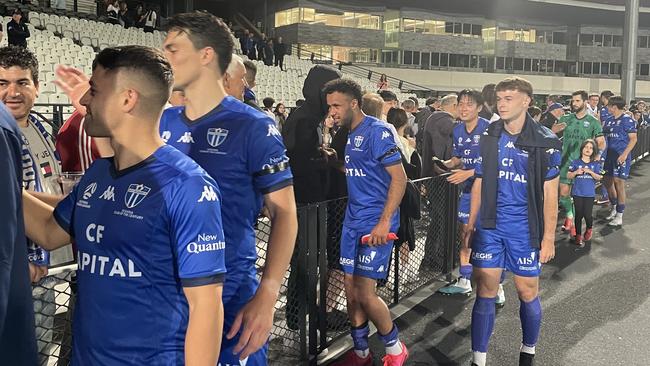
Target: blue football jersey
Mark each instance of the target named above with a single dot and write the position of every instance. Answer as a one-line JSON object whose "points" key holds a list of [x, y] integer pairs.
{"points": [[604, 115], [370, 149], [466, 147], [584, 185], [242, 149], [512, 189], [142, 234], [616, 132]]}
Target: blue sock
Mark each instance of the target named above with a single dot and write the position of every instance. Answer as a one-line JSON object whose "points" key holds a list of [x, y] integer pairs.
{"points": [[360, 337], [466, 271], [390, 339], [620, 208], [482, 323], [530, 314], [604, 192], [503, 276], [613, 201]]}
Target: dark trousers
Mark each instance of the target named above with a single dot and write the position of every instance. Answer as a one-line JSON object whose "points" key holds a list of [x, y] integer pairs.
{"points": [[279, 61], [584, 208]]}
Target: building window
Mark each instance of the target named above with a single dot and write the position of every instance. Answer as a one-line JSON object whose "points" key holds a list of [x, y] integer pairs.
{"points": [[607, 40], [435, 59], [444, 60], [501, 63], [559, 38], [408, 58], [313, 16], [598, 40], [604, 68], [586, 40], [477, 30], [645, 70], [560, 67], [595, 69], [618, 41], [586, 68], [518, 64], [426, 60], [643, 42]]}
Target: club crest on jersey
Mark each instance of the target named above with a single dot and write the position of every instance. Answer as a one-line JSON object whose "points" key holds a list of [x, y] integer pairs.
{"points": [[585, 123], [216, 136], [358, 141], [476, 138], [135, 194]]}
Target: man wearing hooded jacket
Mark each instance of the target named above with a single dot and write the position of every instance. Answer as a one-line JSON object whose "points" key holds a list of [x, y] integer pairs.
{"points": [[302, 134]]}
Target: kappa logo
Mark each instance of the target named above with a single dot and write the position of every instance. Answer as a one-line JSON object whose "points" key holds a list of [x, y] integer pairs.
{"points": [[510, 145], [358, 141], [90, 190], [109, 194], [468, 140], [216, 136], [186, 138], [273, 131], [385, 135], [166, 135], [208, 194], [135, 194]]}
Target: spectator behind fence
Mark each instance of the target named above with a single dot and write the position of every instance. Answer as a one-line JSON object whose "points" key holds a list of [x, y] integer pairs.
{"points": [[17, 30], [268, 103], [234, 80], [308, 164], [410, 108], [421, 119], [17, 339], [243, 42], [374, 105], [268, 53], [150, 18], [280, 50], [437, 136], [489, 110], [260, 44], [382, 84], [552, 116], [112, 10], [124, 15], [138, 16], [249, 95], [281, 115]]}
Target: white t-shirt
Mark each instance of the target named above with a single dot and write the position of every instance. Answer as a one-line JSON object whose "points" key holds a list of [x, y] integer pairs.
{"points": [[150, 20]]}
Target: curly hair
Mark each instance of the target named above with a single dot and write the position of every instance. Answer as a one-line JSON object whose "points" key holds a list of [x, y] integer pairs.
{"points": [[20, 57]]}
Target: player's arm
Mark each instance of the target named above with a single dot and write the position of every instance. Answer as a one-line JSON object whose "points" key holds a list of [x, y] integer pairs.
{"points": [[379, 234], [454, 163], [628, 148], [257, 316], [205, 327], [50, 199], [558, 127], [550, 219], [40, 224], [594, 175], [573, 172], [602, 145]]}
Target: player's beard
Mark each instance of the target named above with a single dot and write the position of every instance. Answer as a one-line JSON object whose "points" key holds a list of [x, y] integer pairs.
{"points": [[347, 119], [578, 110]]}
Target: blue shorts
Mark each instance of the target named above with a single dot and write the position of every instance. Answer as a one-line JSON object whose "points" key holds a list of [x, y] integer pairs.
{"points": [[463, 207], [363, 260], [612, 169], [494, 249], [238, 290]]}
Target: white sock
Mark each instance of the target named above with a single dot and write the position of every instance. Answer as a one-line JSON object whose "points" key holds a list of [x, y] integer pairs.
{"points": [[479, 358], [395, 349], [362, 353], [525, 349], [619, 214]]}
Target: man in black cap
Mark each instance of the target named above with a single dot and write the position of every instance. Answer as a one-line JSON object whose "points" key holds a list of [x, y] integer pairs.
{"points": [[17, 30]]}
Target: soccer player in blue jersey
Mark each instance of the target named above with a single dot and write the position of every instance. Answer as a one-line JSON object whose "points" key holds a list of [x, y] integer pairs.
{"points": [[466, 139], [620, 132], [604, 115], [376, 182], [243, 151], [516, 193], [147, 227]]}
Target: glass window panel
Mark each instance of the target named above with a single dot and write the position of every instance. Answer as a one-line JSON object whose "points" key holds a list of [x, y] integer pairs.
{"points": [[527, 64], [645, 69], [618, 41], [607, 40], [408, 57], [518, 64], [560, 67], [598, 40], [604, 68], [425, 59], [595, 69], [458, 28], [408, 25], [444, 59], [467, 28], [308, 15], [449, 27], [508, 63], [473, 61], [586, 39], [501, 63], [542, 66], [435, 59], [559, 38], [482, 62], [643, 42], [416, 57], [586, 67], [535, 65], [477, 30]]}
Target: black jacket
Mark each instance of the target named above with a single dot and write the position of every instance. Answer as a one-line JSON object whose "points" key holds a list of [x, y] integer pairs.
{"points": [[303, 146], [17, 33], [437, 139], [280, 50], [536, 140]]}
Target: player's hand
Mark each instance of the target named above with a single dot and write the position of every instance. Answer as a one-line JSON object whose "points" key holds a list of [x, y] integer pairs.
{"points": [[580, 171], [255, 320], [459, 176], [621, 159], [379, 234], [329, 154], [548, 251], [36, 272], [74, 84]]}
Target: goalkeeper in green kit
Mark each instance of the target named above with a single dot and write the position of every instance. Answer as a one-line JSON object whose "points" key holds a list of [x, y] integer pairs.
{"points": [[576, 127]]}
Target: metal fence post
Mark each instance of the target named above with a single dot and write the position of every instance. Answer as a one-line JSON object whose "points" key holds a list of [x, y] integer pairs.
{"points": [[311, 261], [451, 228]]}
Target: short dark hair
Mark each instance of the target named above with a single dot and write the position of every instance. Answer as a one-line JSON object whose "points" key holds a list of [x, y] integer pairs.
{"points": [[607, 94], [617, 101], [205, 30], [583, 94], [472, 94], [431, 100], [387, 95], [534, 111], [397, 117], [268, 102], [489, 94], [515, 83], [250, 66], [594, 147], [146, 61], [19, 57], [348, 87]]}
